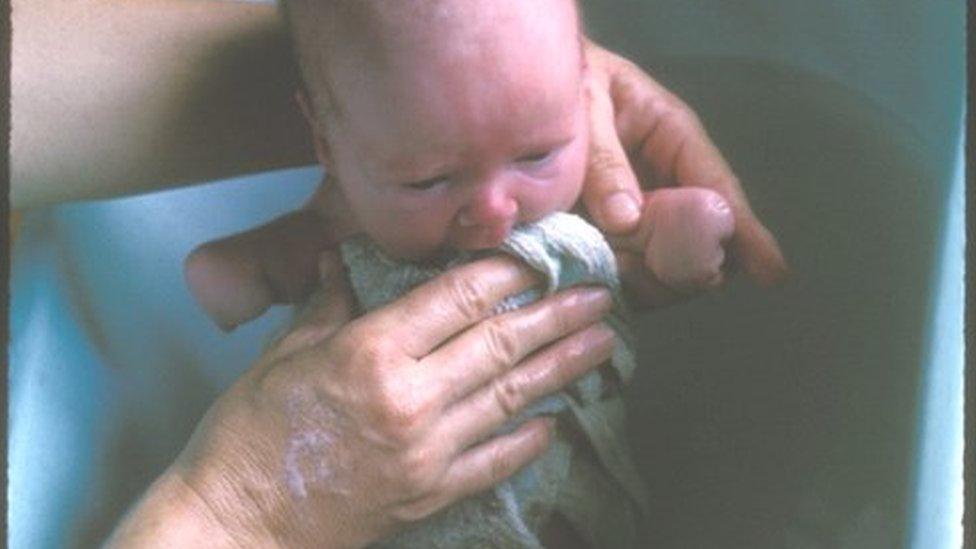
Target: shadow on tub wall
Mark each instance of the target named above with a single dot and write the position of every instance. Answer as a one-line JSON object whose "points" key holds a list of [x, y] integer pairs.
{"points": [[786, 417], [908, 56]]}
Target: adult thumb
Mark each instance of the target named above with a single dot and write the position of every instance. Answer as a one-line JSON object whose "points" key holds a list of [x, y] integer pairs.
{"points": [[611, 191]]}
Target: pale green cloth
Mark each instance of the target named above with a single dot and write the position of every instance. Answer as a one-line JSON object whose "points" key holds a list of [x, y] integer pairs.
{"points": [[590, 479]]}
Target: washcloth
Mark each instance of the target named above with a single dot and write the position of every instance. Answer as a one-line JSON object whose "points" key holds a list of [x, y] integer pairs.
{"points": [[587, 474]]}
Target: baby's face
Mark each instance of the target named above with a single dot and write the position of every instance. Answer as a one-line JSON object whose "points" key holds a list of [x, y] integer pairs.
{"points": [[449, 139]]}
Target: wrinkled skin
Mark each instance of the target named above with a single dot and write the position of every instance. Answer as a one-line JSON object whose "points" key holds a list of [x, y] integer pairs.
{"points": [[343, 432]]}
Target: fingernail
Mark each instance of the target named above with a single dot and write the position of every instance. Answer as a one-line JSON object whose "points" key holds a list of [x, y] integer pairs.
{"points": [[620, 209]]}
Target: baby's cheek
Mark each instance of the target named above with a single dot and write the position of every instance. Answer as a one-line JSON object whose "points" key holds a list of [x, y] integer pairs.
{"points": [[558, 193], [537, 199], [408, 234]]}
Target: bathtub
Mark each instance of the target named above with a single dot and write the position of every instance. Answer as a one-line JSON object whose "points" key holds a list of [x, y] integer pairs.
{"points": [[826, 413]]}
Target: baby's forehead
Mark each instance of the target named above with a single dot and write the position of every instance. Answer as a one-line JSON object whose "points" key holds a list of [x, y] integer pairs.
{"points": [[385, 24], [403, 46]]}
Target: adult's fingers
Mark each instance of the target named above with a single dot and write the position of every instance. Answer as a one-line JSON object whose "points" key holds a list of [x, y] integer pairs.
{"points": [[235, 279], [666, 136], [666, 139], [611, 191], [682, 154], [493, 347], [430, 314], [484, 466], [473, 418], [756, 251]]}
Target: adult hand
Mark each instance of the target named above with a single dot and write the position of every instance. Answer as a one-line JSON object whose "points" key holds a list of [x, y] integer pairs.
{"points": [[636, 127], [641, 131], [338, 436]]}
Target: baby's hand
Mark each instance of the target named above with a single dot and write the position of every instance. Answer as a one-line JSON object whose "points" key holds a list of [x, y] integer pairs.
{"points": [[684, 232]]}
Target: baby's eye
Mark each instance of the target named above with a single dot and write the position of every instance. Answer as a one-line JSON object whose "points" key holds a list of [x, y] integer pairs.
{"points": [[536, 158], [426, 184]]}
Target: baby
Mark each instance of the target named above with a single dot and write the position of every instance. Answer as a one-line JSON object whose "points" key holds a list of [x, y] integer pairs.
{"points": [[452, 128]]}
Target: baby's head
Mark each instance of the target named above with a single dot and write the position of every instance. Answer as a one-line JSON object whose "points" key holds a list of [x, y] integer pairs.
{"points": [[445, 122]]}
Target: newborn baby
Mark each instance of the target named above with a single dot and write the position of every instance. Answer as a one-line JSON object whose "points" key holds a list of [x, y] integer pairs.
{"points": [[454, 128]]}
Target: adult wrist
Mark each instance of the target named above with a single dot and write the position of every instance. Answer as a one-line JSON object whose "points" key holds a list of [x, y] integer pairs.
{"points": [[171, 514]]}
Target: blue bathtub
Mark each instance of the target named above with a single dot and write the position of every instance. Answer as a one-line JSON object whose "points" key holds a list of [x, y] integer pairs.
{"points": [[827, 413]]}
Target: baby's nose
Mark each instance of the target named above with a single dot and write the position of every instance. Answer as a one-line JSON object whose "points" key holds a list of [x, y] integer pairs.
{"points": [[491, 204]]}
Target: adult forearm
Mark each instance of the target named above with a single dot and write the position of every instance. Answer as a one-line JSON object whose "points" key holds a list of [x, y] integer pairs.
{"points": [[170, 515], [113, 97]]}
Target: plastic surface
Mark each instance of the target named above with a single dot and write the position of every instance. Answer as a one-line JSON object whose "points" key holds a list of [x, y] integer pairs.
{"points": [[112, 363]]}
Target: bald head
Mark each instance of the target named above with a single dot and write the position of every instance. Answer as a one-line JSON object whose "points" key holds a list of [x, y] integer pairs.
{"points": [[340, 45], [444, 123]]}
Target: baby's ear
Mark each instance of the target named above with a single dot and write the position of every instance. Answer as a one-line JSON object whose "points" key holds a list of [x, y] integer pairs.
{"points": [[318, 140]]}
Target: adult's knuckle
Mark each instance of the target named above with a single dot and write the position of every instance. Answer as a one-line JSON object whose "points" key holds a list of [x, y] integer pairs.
{"points": [[373, 355], [469, 294], [630, 92], [418, 470], [501, 342], [400, 413], [508, 394], [396, 419], [603, 161], [678, 117]]}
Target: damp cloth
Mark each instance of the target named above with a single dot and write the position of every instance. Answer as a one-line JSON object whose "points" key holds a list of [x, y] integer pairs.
{"points": [[587, 474]]}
